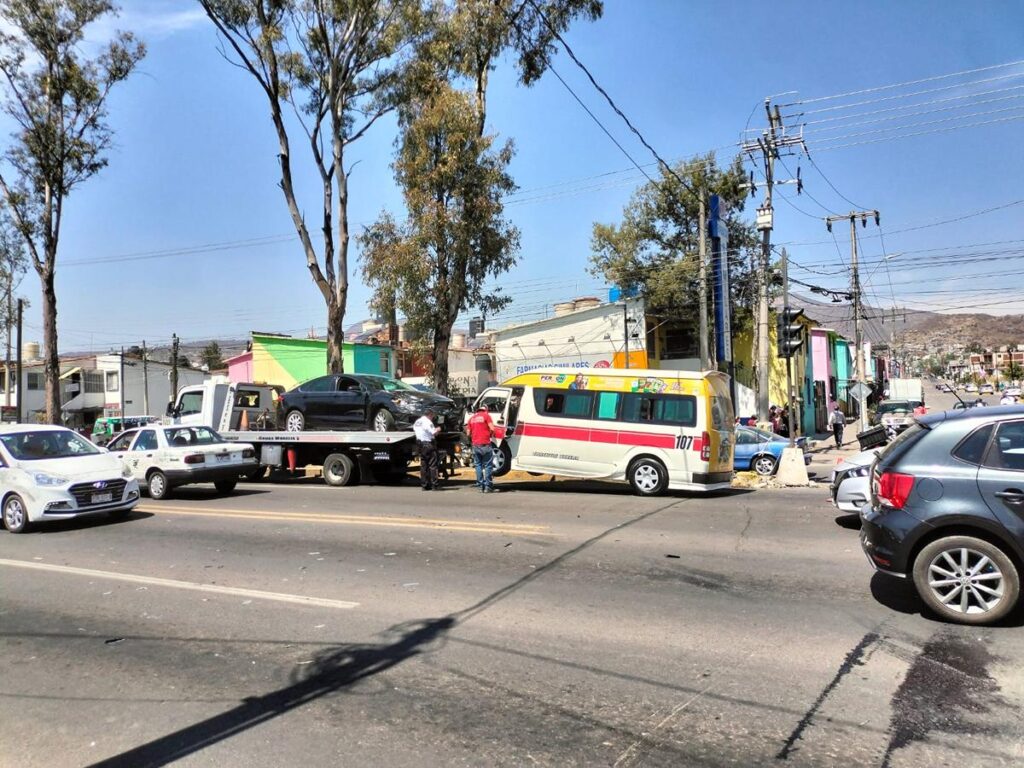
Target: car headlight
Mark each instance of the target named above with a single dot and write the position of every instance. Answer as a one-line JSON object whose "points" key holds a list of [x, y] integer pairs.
{"points": [[42, 478], [859, 472], [126, 472], [407, 405]]}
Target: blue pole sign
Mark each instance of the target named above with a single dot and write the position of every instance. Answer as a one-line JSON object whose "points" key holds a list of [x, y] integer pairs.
{"points": [[719, 234]]}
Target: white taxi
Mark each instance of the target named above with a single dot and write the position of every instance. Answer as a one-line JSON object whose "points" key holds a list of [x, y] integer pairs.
{"points": [[165, 457], [51, 473]]}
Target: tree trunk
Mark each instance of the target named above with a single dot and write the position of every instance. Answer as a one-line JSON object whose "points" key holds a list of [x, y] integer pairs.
{"points": [[50, 356], [439, 359], [335, 337]]}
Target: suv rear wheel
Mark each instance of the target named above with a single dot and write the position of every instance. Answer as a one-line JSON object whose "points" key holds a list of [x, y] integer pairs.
{"points": [[966, 580]]}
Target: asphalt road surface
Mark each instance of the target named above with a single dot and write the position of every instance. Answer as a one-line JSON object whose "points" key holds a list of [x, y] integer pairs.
{"points": [[552, 624]]}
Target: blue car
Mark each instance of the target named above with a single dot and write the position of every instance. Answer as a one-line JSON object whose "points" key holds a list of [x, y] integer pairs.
{"points": [[760, 451]]}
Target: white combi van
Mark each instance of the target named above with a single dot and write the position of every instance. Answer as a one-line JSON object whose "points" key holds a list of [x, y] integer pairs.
{"points": [[655, 429]]}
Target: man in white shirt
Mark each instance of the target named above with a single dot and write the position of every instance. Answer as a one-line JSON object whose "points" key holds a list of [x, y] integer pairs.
{"points": [[426, 435]]}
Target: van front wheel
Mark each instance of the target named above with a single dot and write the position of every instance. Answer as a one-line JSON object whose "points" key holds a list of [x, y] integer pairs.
{"points": [[648, 477]]}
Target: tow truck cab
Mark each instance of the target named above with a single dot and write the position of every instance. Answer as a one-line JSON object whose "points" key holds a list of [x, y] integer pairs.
{"points": [[226, 405]]}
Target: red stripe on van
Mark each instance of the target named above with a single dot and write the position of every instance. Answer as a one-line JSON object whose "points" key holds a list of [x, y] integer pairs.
{"points": [[587, 435]]}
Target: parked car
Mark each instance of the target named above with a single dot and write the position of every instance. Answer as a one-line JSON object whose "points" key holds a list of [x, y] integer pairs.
{"points": [[894, 415], [971, 388], [51, 473], [1012, 391], [759, 451], [850, 483], [986, 389], [946, 511], [361, 401], [165, 457]]}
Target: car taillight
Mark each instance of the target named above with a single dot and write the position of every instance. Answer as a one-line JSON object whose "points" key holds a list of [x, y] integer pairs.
{"points": [[249, 453], [705, 447], [894, 489], [195, 458]]}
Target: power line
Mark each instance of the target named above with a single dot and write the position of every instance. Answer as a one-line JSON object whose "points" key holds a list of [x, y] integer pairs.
{"points": [[906, 83], [920, 133]]}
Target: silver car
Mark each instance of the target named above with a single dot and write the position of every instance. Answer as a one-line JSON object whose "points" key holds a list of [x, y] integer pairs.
{"points": [[850, 485]]}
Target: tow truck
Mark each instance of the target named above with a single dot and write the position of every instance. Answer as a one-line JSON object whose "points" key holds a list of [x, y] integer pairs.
{"points": [[247, 413]]}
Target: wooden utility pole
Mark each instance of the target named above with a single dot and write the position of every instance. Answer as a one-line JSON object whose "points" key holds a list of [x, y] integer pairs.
{"points": [[7, 357], [145, 380], [21, 388], [702, 272], [859, 363]]}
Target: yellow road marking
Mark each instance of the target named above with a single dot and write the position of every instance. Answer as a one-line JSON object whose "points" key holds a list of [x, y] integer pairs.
{"points": [[319, 602], [510, 529]]}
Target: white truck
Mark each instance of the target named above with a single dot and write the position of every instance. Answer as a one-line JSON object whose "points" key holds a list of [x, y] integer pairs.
{"points": [[247, 413], [911, 390]]}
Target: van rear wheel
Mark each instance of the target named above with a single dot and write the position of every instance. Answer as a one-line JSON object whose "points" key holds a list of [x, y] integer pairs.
{"points": [[648, 477]]}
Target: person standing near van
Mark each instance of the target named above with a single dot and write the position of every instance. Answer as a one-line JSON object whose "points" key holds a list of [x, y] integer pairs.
{"points": [[837, 422], [480, 429], [426, 436]]}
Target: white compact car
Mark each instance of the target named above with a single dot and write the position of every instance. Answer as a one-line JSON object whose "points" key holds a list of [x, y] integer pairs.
{"points": [[165, 457], [51, 473], [850, 487]]}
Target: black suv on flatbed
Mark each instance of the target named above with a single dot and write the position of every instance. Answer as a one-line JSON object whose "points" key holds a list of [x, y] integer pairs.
{"points": [[947, 510]]}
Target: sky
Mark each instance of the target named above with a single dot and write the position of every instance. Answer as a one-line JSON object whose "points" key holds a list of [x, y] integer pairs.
{"points": [[187, 232]]}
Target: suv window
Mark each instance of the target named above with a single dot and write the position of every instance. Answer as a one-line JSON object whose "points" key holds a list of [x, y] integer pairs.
{"points": [[972, 447], [1007, 450]]}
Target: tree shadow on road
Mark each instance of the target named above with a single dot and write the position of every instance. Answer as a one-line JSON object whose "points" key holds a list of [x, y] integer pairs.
{"points": [[336, 669]]}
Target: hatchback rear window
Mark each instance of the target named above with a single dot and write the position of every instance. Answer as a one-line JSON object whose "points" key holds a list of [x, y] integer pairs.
{"points": [[972, 447]]}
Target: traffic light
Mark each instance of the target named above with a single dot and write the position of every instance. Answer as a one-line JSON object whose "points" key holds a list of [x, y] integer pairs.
{"points": [[789, 331]]}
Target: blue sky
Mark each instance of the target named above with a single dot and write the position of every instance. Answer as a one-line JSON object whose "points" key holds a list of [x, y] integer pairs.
{"points": [[194, 162]]}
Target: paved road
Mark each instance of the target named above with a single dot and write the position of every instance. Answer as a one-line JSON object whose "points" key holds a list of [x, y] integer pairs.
{"points": [[553, 624]]}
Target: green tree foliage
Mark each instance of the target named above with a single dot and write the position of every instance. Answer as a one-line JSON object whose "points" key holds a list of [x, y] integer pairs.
{"points": [[1014, 371], [330, 71], [211, 356], [654, 248], [57, 99], [434, 266]]}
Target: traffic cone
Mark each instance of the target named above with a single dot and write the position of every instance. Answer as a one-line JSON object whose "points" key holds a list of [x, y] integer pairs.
{"points": [[243, 423]]}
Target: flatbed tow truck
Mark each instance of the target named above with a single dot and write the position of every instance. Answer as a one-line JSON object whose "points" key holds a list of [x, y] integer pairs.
{"points": [[247, 413]]}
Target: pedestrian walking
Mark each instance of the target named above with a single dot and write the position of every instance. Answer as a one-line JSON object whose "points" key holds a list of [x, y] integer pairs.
{"points": [[480, 429], [426, 439], [837, 422]]}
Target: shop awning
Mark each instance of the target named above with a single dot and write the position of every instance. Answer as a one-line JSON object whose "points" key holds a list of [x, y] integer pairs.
{"points": [[88, 401], [70, 372]]}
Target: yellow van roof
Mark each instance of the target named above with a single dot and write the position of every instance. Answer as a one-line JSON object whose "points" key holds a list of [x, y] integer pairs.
{"points": [[633, 373]]}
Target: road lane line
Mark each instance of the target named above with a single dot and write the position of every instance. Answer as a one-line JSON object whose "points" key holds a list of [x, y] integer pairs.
{"points": [[318, 602], [312, 517]]}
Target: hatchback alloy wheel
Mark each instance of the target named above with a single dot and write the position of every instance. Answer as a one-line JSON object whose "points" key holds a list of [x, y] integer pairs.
{"points": [[14, 515], [966, 581]]}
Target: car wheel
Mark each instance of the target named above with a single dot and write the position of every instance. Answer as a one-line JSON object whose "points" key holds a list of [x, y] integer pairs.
{"points": [[158, 486], [966, 580], [15, 514], [501, 463], [225, 486], [339, 470], [294, 421], [648, 477], [383, 421], [764, 465]]}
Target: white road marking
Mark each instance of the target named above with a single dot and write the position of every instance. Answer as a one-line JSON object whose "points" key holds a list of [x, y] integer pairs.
{"points": [[319, 602]]}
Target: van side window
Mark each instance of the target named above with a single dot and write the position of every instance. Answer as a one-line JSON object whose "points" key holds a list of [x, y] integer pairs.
{"points": [[674, 410], [608, 405], [564, 403]]}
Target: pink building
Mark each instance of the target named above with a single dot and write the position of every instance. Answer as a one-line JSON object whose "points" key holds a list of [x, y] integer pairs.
{"points": [[240, 367]]}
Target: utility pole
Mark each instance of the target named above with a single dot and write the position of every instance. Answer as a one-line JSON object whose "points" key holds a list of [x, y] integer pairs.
{"points": [[625, 329], [769, 145], [858, 312], [702, 279], [145, 380], [122, 383], [21, 389], [7, 357], [174, 367]]}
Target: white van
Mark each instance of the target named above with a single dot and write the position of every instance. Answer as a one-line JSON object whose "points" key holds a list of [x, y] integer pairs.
{"points": [[655, 429]]}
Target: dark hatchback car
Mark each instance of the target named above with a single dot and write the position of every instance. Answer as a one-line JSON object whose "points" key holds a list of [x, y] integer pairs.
{"points": [[361, 401], [947, 510]]}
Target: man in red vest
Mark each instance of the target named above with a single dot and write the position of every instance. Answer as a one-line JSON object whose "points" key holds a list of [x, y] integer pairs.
{"points": [[480, 428]]}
